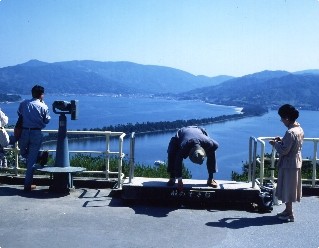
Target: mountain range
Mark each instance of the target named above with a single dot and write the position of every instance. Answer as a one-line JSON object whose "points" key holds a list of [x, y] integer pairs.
{"points": [[266, 88], [83, 77]]}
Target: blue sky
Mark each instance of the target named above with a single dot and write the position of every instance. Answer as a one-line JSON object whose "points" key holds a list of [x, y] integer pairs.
{"points": [[203, 37]]}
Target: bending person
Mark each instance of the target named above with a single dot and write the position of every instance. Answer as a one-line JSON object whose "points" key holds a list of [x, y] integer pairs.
{"points": [[192, 142]]}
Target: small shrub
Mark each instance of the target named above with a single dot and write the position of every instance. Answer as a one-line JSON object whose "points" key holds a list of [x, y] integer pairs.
{"points": [[306, 170], [98, 163]]}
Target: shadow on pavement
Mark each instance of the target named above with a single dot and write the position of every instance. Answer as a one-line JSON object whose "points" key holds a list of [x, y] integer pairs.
{"points": [[38, 193], [98, 198], [154, 211], [237, 223]]}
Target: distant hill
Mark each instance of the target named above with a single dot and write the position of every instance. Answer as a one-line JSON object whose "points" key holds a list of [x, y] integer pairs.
{"points": [[267, 88], [314, 71], [100, 77]]}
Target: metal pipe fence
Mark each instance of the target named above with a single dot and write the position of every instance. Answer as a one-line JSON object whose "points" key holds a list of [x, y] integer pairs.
{"points": [[254, 158], [107, 152]]}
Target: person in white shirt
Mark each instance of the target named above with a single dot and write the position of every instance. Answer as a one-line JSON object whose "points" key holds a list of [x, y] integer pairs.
{"points": [[35, 115]]}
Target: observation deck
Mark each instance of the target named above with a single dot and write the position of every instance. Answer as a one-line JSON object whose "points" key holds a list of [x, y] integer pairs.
{"points": [[230, 193]]}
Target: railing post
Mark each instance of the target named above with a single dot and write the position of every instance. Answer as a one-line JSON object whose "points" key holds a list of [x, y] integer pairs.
{"points": [[272, 165], [254, 163], [252, 160], [107, 165], [121, 155], [132, 154], [314, 164], [262, 161]]}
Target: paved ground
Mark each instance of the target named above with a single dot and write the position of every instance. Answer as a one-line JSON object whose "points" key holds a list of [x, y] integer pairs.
{"points": [[93, 218]]}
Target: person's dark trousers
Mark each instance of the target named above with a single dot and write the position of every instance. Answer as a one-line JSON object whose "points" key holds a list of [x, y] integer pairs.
{"points": [[211, 165], [172, 151]]}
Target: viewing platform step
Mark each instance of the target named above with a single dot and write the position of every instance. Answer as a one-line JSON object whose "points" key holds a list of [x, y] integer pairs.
{"points": [[229, 192]]}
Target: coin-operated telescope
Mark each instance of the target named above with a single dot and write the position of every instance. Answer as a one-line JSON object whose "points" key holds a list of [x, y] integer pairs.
{"points": [[62, 150], [63, 107], [62, 160]]}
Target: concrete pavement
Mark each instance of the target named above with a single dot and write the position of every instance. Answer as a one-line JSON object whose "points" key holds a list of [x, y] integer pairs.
{"points": [[100, 218]]}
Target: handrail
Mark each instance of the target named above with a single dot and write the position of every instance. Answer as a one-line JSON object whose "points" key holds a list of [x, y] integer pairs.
{"points": [[120, 155], [132, 156], [252, 160], [261, 160]]}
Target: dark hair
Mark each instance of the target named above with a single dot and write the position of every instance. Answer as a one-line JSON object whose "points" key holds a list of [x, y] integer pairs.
{"points": [[37, 91], [288, 111]]}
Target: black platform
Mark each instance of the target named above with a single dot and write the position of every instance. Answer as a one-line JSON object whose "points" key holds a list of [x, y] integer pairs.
{"points": [[194, 191]]}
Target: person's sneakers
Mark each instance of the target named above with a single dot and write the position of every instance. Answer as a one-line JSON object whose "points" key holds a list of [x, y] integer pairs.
{"points": [[212, 183], [287, 217], [171, 182], [29, 188], [180, 185]]}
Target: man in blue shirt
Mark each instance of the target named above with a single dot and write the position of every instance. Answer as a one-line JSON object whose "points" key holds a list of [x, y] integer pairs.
{"points": [[192, 142], [35, 115]]}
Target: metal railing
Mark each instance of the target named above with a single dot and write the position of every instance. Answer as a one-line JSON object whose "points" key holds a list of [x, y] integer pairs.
{"points": [[254, 159], [132, 156], [107, 152]]}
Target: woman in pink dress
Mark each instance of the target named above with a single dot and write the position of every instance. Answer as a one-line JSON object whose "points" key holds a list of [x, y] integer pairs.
{"points": [[289, 186]]}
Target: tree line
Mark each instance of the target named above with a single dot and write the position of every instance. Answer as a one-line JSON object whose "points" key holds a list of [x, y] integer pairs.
{"points": [[9, 97], [164, 126]]}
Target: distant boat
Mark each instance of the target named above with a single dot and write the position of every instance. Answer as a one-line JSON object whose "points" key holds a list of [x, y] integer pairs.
{"points": [[159, 162]]}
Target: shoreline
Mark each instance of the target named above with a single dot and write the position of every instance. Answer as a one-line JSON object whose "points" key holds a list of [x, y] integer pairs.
{"points": [[200, 124], [195, 122]]}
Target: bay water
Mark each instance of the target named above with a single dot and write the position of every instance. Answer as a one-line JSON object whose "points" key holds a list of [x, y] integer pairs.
{"points": [[232, 136]]}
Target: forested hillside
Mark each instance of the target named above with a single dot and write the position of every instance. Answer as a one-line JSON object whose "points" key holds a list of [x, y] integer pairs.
{"points": [[268, 88]]}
